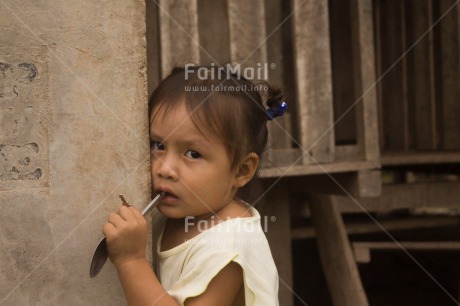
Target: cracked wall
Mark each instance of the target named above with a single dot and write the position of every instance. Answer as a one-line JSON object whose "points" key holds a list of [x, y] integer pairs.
{"points": [[24, 103], [73, 135]]}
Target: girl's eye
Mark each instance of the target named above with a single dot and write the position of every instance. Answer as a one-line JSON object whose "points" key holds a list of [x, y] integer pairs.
{"points": [[157, 146], [192, 154]]}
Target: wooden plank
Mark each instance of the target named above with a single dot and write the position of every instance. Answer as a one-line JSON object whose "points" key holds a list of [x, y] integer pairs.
{"points": [[179, 39], [214, 32], [392, 76], [280, 134], [365, 89], [414, 197], [362, 255], [364, 183], [288, 157], [314, 79], [378, 66], [336, 255], [348, 153], [247, 33], [248, 47], [281, 158], [275, 45], [360, 228], [301, 170], [410, 245], [416, 158], [362, 249], [450, 74], [420, 74], [276, 221], [153, 46]]}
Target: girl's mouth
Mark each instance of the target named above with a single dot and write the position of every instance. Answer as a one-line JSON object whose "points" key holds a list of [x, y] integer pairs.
{"points": [[169, 198]]}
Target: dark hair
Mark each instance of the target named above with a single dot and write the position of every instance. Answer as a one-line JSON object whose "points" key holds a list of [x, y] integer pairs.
{"points": [[223, 102]]}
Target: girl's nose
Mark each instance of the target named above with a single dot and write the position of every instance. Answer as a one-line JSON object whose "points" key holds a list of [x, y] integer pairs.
{"points": [[166, 167]]}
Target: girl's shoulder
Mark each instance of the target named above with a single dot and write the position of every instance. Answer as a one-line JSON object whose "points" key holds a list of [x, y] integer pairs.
{"points": [[237, 209]]}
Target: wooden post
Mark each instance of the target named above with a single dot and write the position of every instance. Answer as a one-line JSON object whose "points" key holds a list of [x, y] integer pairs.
{"points": [[391, 39], [336, 255], [280, 133], [276, 221], [365, 87], [421, 74], [314, 79], [153, 46], [179, 34], [213, 26], [247, 33], [450, 75]]}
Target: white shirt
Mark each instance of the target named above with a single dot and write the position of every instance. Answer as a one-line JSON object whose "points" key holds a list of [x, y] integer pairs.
{"points": [[187, 269]]}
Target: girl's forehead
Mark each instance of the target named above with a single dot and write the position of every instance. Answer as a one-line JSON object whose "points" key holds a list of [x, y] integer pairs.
{"points": [[165, 112], [178, 118], [176, 112]]}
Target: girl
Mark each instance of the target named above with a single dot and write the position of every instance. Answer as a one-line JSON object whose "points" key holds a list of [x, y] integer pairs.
{"points": [[208, 130]]}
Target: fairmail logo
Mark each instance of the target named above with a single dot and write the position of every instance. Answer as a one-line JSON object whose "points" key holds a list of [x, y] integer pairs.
{"points": [[260, 72]]}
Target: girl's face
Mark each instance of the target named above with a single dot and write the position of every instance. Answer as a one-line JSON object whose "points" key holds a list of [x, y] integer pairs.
{"points": [[192, 167]]}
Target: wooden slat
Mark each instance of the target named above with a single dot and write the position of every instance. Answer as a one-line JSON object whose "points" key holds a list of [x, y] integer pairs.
{"points": [[365, 89], [275, 43], [393, 86], [404, 196], [214, 32], [300, 170], [314, 79], [350, 153], [378, 66], [418, 158], [360, 228], [420, 74], [336, 255], [247, 32], [410, 245], [153, 46], [364, 183], [179, 37], [362, 249], [279, 131], [450, 75], [248, 47]]}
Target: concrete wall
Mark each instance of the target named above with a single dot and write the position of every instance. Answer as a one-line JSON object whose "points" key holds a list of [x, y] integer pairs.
{"points": [[73, 135]]}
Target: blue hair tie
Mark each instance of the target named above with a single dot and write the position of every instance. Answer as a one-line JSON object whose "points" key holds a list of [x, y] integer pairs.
{"points": [[277, 110]]}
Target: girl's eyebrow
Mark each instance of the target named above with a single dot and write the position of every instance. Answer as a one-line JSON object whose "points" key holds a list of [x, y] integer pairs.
{"points": [[195, 141], [154, 136], [187, 140]]}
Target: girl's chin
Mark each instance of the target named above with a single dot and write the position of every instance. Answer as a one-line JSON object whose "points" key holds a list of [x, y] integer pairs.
{"points": [[170, 211]]}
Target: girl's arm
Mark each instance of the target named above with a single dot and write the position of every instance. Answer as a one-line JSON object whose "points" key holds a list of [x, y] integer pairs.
{"points": [[222, 290], [141, 286], [126, 232]]}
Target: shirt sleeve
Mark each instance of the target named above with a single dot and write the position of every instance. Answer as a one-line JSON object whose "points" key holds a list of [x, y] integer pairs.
{"points": [[205, 261]]}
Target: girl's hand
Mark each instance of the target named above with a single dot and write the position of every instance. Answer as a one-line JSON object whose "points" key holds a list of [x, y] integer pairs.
{"points": [[126, 235]]}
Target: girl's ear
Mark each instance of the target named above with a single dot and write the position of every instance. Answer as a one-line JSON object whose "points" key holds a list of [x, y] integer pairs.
{"points": [[246, 169]]}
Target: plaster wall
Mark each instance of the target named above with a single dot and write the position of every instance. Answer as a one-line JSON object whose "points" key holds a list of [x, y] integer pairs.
{"points": [[73, 135]]}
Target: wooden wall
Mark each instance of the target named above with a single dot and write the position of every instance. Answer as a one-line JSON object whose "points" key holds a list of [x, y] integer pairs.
{"points": [[367, 84], [417, 62]]}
